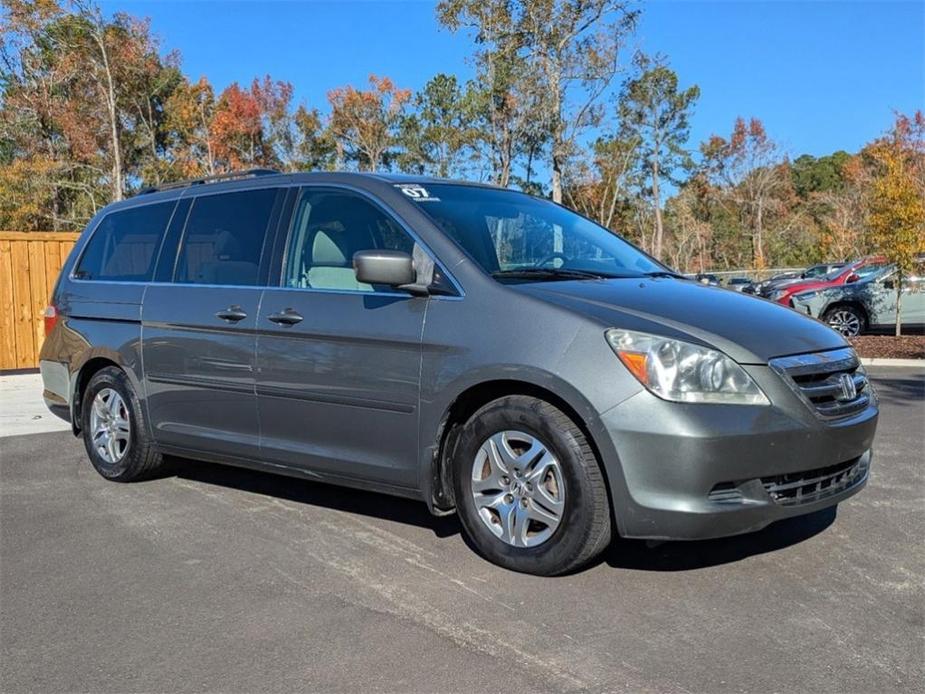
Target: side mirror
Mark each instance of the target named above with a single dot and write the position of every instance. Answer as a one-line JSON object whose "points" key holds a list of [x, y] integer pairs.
{"points": [[392, 268], [853, 277]]}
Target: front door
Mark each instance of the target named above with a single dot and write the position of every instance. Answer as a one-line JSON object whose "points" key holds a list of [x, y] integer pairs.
{"points": [[198, 337], [338, 362]]}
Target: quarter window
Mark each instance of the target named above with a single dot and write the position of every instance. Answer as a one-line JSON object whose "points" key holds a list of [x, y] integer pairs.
{"points": [[124, 246], [328, 228], [224, 238]]}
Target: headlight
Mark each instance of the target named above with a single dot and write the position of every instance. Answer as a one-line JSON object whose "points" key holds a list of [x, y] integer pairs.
{"points": [[683, 372], [777, 294], [805, 296]]}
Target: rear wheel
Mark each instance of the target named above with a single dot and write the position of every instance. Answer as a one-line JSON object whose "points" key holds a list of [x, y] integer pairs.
{"points": [[114, 431], [847, 320], [529, 490]]}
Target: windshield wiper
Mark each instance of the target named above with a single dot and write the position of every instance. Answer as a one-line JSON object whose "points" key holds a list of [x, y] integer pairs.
{"points": [[665, 273], [552, 273]]}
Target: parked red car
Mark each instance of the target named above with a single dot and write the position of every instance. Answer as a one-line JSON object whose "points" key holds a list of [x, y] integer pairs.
{"points": [[843, 275]]}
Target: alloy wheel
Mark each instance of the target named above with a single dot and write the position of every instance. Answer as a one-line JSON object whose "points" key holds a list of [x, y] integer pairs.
{"points": [[518, 488], [845, 322], [109, 426]]}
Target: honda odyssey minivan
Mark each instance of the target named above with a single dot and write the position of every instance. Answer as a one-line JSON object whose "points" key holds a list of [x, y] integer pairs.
{"points": [[485, 351]]}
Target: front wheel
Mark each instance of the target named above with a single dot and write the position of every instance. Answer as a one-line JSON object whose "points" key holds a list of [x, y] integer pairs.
{"points": [[847, 320], [529, 490]]}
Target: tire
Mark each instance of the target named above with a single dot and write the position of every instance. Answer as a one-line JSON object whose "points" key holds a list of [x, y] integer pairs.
{"points": [[576, 485], [847, 320], [133, 456]]}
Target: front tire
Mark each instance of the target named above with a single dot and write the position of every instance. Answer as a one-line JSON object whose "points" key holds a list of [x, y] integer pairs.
{"points": [[114, 431], [529, 490], [847, 320]]}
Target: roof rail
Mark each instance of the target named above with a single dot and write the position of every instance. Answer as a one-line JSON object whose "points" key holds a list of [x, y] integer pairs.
{"points": [[217, 178]]}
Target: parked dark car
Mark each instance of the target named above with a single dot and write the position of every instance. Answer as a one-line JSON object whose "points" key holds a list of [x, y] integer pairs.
{"points": [[709, 279], [480, 349], [813, 272], [739, 284], [868, 304]]}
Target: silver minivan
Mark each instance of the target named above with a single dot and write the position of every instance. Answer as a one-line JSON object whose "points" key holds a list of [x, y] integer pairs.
{"points": [[488, 352]]}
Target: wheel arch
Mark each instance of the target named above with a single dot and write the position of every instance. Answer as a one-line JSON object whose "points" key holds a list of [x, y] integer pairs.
{"points": [[81, 378], [439, 484], [848, 303]]}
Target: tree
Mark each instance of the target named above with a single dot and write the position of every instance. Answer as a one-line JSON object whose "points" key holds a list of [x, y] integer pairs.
{"points": [[752, 170], [237, 128], [314, 145], [599, 185], [842, 208], [441, 129], [654, 113], [506, 99], [274, 99], [690, 233], [897, 197], [365, 123], [574, 45], [190, 112], [83, 101], [818, 174], [565, 50]]}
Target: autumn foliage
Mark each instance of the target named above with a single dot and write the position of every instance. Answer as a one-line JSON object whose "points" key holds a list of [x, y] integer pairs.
{"points": [[92, 109]]}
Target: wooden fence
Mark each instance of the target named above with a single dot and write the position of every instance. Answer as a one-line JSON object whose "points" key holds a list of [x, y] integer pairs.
{"points": [[29, 266]]}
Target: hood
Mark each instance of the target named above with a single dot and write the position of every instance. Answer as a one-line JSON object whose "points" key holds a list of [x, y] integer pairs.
{"points": [[748, 329]]}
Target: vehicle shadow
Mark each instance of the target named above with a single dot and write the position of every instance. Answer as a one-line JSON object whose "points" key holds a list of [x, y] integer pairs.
{"points": [[622, 554], [312, 493], [701, 554]]}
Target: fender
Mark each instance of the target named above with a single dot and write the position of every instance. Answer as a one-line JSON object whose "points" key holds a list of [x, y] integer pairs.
{"points": [[487, 384]]}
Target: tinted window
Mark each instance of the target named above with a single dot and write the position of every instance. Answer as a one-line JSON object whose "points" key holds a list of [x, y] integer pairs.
{"points": [[328, 228], [224, 238], [509, 232], [124, 246], [870, 269]]}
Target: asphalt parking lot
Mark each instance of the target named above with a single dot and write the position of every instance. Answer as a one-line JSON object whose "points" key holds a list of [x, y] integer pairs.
{"points": [[226, 580]]}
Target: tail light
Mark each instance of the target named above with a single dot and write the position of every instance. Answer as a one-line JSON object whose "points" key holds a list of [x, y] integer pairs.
{"points": [[51, 318]]}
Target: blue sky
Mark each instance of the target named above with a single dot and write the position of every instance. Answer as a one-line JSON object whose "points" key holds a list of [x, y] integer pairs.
{"points": [[821, 75]]}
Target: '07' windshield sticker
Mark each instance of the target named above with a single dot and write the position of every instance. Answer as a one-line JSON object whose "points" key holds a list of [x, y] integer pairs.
{"points": [[416, 192]]}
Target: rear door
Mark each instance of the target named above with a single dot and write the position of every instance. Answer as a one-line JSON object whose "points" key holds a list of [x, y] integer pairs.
{"points": [[198, 324], [913, 301], [338, 362]]}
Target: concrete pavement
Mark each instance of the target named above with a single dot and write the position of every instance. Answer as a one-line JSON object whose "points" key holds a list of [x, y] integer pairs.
{"points": [[22, 410]]}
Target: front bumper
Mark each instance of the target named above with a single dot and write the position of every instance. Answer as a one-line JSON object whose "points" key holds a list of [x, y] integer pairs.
{"points": [[686, 472]]}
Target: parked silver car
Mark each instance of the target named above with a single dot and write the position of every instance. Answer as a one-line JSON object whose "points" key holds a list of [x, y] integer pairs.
{"points": [[485, 351]]}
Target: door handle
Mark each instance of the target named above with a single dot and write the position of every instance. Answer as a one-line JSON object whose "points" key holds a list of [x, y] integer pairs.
{"points": [[287, 316], [232, 314]]}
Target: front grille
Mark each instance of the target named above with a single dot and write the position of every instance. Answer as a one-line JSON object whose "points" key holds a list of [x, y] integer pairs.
{"points": [[832, 383], [813, 485], [793, 488]]}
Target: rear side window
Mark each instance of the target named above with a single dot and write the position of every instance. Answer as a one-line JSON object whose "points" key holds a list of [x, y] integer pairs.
{"points": [[124, 246], [224, 238]]}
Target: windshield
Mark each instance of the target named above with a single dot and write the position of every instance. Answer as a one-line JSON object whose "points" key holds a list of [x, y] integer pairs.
{"points": [[516, 237]]}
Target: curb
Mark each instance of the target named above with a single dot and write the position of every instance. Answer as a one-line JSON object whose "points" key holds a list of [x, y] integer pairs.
{"points": [[881, 361]]}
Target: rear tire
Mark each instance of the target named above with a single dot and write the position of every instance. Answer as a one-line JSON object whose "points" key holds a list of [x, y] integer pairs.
{"points": [[115, 433], [517, 515], [848, 320]]}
